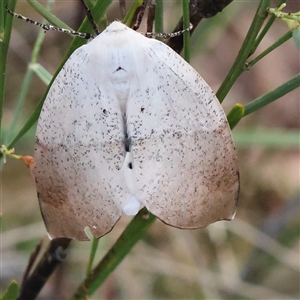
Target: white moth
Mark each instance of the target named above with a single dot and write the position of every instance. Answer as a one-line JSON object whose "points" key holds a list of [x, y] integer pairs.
{"points": [[128, 124]]}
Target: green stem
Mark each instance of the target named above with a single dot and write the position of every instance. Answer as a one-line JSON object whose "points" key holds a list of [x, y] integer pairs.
{"points": [[264, 30], [130, 236], [262, 34], [43, 11], [41, 72], [27, 78], [94, 247], [239, 65], [269, 97], [159, 14], [5, 32], [278, 43], [89, 3], [239, 111], [186, 35]]}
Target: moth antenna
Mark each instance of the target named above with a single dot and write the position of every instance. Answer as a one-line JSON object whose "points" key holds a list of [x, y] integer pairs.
{"points": [[90, 17], [167, 35], [47, 27]]}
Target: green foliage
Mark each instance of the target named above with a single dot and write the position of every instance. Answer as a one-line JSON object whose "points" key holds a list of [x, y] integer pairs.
{"points": [[11, 292]]}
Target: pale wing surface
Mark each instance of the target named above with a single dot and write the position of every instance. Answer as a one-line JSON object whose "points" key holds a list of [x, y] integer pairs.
{"points": [[183, 159], [177, 157], [80, 148]]}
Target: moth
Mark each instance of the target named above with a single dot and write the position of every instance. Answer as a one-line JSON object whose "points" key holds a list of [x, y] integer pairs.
{"points": [[127, 124]]}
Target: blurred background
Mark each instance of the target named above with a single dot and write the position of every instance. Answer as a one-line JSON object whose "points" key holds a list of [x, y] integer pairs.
{"points": [[255, 256]]}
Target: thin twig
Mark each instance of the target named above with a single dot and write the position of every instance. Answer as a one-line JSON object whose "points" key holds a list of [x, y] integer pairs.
{"points": [[52, 257]]}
